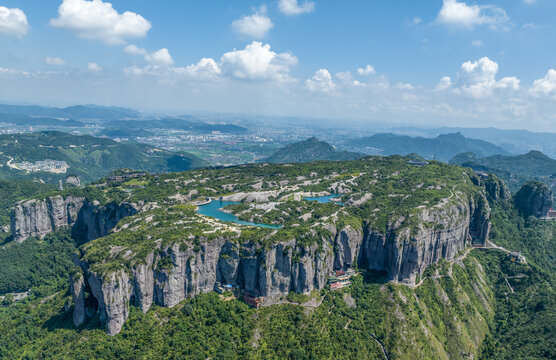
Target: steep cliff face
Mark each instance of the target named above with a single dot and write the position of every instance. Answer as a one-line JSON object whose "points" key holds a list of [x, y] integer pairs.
{"points": [[534, 198], [40, 217], [174, 272], [89, 221], [440, 233]]}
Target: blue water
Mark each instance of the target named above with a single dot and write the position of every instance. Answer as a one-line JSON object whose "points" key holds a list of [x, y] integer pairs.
{"points": [[213, 209], [324, 199]]}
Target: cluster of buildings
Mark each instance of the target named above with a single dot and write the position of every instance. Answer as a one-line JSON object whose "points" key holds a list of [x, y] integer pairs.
{"points": [[53, 166], [517, 257], [341, 279], [251, 298]]}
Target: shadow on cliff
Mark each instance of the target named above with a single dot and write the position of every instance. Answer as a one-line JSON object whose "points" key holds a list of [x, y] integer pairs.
{"points": [[374, 276], [62, 320]]}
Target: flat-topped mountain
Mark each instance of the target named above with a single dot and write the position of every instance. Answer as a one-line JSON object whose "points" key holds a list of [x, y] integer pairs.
{"points": [[394, 216], [51, 156], [308, 150], [443, 147]]}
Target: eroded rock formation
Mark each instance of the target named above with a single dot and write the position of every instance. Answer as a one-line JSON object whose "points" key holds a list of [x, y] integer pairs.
{"points": [[170, 274], [89, 220]]}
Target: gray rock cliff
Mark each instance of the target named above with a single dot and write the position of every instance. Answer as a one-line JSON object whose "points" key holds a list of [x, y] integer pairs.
{"points": [[89, 221]]}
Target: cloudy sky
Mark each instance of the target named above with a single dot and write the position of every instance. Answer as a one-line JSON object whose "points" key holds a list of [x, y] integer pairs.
{"points": [[433, 62]]}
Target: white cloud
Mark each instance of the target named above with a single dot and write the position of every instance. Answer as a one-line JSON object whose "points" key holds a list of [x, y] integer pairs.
{"points": [[404, 86], [6, 71], [529, 2], [477, 43], [56, 61], [135, 50], [321, 81], [368, 70], [292, 7], [13, 21], [160, 57], [255, 26], [257, 62], [477, 79], [94, 67], [206, 68], [444, 84], [254, 63], [98, 20], [545, 86], [460, 14], [416, 20]]}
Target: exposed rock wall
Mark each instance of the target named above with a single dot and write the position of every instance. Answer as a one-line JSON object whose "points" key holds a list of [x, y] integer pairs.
{"points": [[40, 217], [534, 199], [89, 220], [170, 275]]}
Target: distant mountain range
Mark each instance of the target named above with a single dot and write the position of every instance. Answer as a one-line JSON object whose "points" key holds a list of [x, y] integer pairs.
{"points": [[513, 141], [87, 157], [443, 147], [38, 121], [92, 112], [514, 170], [116, 122], [311, 149]]}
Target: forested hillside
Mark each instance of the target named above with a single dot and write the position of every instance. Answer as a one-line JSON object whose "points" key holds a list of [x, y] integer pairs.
{"points": [[479, 304], [514, 170], [443, 147], [311, 149], [87, 157]]}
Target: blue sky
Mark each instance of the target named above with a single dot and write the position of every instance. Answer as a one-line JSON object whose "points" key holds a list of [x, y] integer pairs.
{"points": [[448, 62]]}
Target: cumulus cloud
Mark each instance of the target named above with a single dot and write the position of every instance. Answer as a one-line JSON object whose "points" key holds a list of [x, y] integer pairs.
{"points": [[94, 67], [206, 68], [160, 57], [444, 84], [292, 7], [255, 26], [321, 81], [460, 14], [13, 21], [545, 86], [257, 62], [56, 61], [98, 20], [477, 79], [366, 71]]}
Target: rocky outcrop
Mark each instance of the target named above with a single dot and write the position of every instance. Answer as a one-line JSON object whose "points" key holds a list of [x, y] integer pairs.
{"points": [[40, 217], [496, 189], [406, 251], [173, 273], [94, 221], [534, 199], [89, 220], [77, 290]]}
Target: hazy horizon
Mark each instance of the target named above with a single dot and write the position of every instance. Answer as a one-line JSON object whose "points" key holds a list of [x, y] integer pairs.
{"points": [[441, 63]]}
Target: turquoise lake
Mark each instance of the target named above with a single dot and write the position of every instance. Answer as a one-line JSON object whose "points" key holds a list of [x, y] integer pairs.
{"points": [[324, 199], [214, 209]]}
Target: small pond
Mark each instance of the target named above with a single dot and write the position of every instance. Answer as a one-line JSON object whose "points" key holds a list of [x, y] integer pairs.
{"points": [[214, 209], [325, 199]]}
